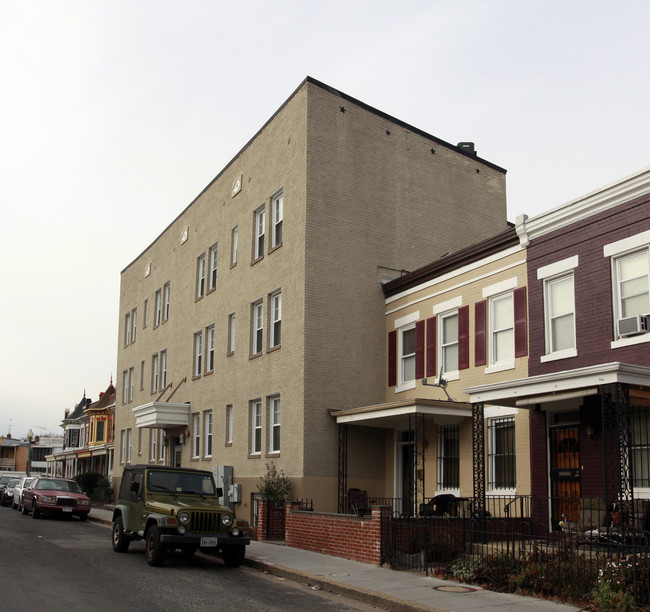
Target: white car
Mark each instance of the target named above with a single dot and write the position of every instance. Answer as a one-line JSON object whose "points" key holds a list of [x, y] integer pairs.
{"points": [[25, 481]]}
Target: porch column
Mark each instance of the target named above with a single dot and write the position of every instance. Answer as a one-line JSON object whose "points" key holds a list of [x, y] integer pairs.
{"points": [[478, 439], [343, 469], [416, 471]]}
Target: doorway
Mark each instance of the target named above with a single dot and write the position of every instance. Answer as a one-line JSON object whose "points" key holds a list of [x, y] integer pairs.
{"points": [[564, 449]]}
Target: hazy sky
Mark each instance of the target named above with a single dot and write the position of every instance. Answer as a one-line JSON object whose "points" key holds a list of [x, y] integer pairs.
{"points": [[114, 115]]}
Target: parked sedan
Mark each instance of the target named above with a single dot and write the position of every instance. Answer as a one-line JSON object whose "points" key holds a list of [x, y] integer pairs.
{"points": [[47, 495], [18, 491], [8, 492]]}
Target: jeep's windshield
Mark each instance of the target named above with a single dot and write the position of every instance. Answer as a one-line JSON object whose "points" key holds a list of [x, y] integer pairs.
{"points": [[181, 482]]}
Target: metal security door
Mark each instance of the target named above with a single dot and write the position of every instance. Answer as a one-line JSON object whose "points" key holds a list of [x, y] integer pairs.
{"points": [[565, 475]]}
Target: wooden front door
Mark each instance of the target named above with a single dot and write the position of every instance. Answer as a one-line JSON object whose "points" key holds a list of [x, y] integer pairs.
{"points": [[565, 474]]}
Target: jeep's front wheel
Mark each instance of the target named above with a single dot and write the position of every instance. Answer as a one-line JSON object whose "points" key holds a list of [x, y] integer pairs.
{"points": [[233, 556], [120, 541], [155, 551]]}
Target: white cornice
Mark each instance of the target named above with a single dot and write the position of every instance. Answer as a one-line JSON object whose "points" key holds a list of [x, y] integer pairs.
{"points": [[602, 199]]}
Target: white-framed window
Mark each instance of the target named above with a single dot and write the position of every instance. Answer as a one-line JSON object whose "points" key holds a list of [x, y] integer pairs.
{"points": [[448, 457], [131, 383], [125, 386], [212, 266], [256, 427], [277, 206], [198, 353], [145, 314], [640, 449], [158, 308], [229, 424], [448, 341], [259, 218], [502, 329], [154, 372], [207, 429], [134, 324], [231, 333], [275, 330], [153, 439], [129, 444], [257, 312], [166, 298], [234, 245], [196, 435], [122, 445], [501, 454], [127, 329], [161, 445], [559, 314], [274, 424], [163, 369], [406, 348], [142, 376], [200, 276], [209, 357]]}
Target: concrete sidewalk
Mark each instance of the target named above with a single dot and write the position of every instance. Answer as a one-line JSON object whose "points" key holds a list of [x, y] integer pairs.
{"points": [[379, 586]]}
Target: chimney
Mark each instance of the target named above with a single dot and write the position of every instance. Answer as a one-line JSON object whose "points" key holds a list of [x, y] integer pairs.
{"points": [[468, 147]]}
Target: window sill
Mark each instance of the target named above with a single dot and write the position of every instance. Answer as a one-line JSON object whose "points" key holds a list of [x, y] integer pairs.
{"points": [[565, 354], [621, 342], [495, 492], [500, 367], [255, 455], [273, 454], [272, 349], [412, 384]]}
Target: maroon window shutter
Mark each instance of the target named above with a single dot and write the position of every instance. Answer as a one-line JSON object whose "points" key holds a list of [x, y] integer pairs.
{"points": [[480, 333], [463, 337], [419, 350], [521, 336], [431, 346], [392, 358]]}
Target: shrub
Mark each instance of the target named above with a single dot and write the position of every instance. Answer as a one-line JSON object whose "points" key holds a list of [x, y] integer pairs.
{"points": [[274, 485], [95, 486]]}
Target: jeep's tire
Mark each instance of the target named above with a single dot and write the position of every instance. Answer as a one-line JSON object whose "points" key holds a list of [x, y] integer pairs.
{"points": [[154, 549], [120, 541], [36, 513], [233, 556]]}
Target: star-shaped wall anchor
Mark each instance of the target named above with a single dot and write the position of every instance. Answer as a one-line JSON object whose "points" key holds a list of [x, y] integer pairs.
{"points": [[343, 109], [387, 132]]}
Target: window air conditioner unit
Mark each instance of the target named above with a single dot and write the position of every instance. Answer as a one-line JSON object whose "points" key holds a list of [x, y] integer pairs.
{"points": [[630, 326]]}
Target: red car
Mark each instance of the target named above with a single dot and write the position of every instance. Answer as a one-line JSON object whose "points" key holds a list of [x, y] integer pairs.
{"points": [[47, 495]]}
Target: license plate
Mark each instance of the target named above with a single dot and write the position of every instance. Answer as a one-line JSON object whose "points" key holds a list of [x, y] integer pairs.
{"points": [[208, 541], [66, 509]]}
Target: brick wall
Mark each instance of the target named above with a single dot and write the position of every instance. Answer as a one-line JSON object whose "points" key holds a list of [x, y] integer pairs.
{"points": [[351, 537]]}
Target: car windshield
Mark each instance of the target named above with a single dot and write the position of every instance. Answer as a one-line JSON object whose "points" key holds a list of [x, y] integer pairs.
{"points": [[4, 479], [181, 482], [53, 484], [14, 482]]}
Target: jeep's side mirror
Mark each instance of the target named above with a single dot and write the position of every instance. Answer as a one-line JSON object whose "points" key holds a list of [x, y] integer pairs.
{"points": [[134, 487], [219, 492]]}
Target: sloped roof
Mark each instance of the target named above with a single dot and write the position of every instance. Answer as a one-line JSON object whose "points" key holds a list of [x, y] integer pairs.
{"points": [[105, 401], [78, 411]]}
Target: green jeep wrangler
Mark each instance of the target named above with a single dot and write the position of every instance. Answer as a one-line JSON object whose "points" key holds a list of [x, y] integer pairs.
{"points": [[176, 508]]}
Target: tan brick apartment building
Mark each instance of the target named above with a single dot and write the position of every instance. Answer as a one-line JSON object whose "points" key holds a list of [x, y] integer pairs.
{"points": [[260, 307]]}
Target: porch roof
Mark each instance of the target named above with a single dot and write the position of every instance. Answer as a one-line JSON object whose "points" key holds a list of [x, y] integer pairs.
{"points": [[556, 386], [395, 414], [162, 414]]}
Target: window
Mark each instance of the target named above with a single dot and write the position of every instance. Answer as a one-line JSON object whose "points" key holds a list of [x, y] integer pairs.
{"points": [[449, 342], [158, 307], [276, 320], [448, 457], [142, 375], [407, 354], [200, 276], [127, 329], [209, 334], [163, 369], [207, 428], [196, 436], [128, 445], [501, 448], [258, 326], [502, 329], [125, 386], [161, 445], [166, 296], [154, 373], [640, 447], [234, 245], [101, 426], [559, 313], [153, 436], [212, 271], [229, 424], [256, 427], [131, 383], [146, 313], [260, 223], [198, 353], [231, 333], [123, 446], [632, 293], [134, 319], [277, 205], [274, 420]]}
